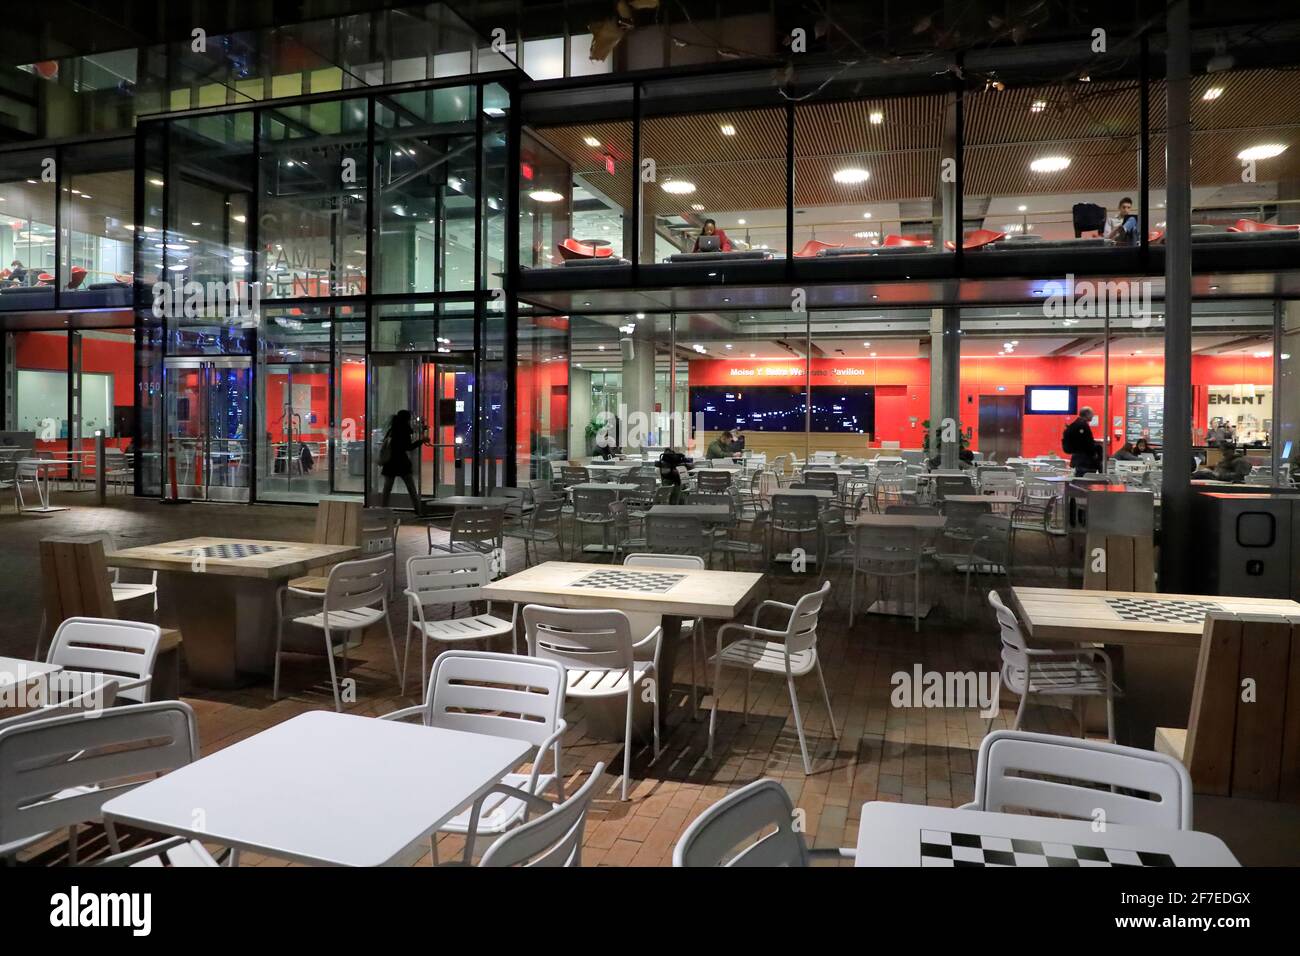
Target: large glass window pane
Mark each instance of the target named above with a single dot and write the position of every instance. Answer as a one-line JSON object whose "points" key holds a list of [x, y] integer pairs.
{"points": [[576, 179], [542, 395], [313, 211], [27, 246], [97, 209], [426, 158], [1232, 383]]}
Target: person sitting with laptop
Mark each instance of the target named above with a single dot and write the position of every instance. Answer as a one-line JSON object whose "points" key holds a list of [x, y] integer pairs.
{"points": [[1123, 229], [712, 239]]}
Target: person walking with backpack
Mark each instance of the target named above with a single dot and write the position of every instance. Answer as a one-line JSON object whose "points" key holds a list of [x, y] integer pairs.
{"points": [[395, 457]]}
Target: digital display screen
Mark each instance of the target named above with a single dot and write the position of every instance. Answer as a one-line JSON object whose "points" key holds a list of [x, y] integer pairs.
{"points": [[776, 408], [1051, 400]]}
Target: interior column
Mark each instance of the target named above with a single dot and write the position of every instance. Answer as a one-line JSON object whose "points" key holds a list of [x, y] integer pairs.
{"points": [[638, 350]]}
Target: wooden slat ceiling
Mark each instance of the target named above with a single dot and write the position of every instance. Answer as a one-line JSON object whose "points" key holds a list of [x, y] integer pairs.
{"points": [[1095, 124]]}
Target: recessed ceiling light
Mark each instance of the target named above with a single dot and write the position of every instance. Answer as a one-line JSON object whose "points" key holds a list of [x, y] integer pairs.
{"points": [[196, 224], [240, 218], [591, 141], [866, 235], [873, 354], [740, 222], [866, 215], [1022, 208], [1213, 93], [1263, 151], [640, 315], [1037, 106], [177, 267], [545, 195], [698, 207], [727, 346], [156, 182], [851, 175], [679, 187], [876, 117], [866, 345], [728, 129], [1050, 164]]}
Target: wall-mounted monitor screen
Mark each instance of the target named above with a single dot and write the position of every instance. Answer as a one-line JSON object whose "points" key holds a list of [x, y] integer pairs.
{"points": [[781, 408], [1051, 400]]}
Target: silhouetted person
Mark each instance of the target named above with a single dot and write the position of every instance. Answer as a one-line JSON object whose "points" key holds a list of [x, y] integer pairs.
{"points": [[395, 457]]}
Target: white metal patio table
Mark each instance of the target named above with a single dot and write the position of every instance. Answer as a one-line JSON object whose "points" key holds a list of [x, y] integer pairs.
{"points": [[325, 788]]}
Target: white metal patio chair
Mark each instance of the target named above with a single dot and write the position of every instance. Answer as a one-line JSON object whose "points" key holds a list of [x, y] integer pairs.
{"points": [[599, 656], [1081, 779], [434, 581], [552, 840], [791, 651], [356, 596], [1031, 671], [692, 629], [500, 695], [752, 826], [124, 651]]}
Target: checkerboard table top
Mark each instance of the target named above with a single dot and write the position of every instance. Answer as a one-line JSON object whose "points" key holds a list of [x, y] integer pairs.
{"points": [[709, 594], [904, 834], [235, 557], [1123, 617]]}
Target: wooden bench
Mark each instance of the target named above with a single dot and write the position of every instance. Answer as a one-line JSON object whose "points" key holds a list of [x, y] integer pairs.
{"points": [[1243, 733], [75, 582], [338, 521]]}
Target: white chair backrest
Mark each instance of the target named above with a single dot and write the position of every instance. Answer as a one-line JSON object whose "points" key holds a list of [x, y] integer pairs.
{"points": [[802, 633], [381, 536], [579, 639], [112, 750], [1013, 640], [27, 468], [107, 646], [754, 826], [357, 584], [525, 699], [447, 579], [643, 622], [1082, 778], [553, 839]]}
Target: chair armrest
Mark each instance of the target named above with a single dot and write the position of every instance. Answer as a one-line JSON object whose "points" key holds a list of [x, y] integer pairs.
{"points": [[553, 741], [140, 853], [406, 713]]}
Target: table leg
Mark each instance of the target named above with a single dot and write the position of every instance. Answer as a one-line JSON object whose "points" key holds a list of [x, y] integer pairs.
{"points": [[228, 625], [1157, 682], [671, 639]]}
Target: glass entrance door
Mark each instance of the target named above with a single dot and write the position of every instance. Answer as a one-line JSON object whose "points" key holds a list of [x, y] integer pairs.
{"points": [[440, 397], [293, 452], [208, 424]]}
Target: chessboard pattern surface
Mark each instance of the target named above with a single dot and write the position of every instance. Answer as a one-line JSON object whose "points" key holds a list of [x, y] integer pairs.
{"points": [[1147, 609], [231, 551], [650, 582], [947, 849]]}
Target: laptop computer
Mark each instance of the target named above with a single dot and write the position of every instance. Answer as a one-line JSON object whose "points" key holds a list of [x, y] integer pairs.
{"points": [[708, 244]]}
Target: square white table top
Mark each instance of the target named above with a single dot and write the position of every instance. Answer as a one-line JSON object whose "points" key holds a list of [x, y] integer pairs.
{"points": [[890, 834], [15, 670], [323, 787], [710, 594]]}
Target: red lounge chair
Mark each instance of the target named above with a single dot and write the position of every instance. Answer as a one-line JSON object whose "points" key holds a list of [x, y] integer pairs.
{"points": [[122, 277], [1250, 225], [813, 247], [573, 249], [45, 278], [976, 240], [905, 241], [78, 276], [1155, 235]]}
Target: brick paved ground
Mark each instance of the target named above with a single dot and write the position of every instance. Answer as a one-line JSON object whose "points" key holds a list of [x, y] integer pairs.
{"points": [[884, 753]]}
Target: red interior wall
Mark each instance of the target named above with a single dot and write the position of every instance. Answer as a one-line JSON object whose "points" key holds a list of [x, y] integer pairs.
{"points": [[48, 351]]}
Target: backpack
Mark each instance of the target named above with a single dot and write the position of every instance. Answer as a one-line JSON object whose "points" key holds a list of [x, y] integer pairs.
{"points": [[386, 450]]}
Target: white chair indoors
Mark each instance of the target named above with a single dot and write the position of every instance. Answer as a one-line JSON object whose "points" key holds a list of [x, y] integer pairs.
{"points": [[59, 772], [434, 581], [554, 839], [356, 596], [1080, 672], [791, 651], [1050, 774], [124, 651], [525, 701], [735, 832], [600, 657], [694, 628]]}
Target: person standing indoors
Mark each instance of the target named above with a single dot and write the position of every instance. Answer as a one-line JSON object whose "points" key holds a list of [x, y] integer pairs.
{"points": [[395, 457], [1078, 443]]}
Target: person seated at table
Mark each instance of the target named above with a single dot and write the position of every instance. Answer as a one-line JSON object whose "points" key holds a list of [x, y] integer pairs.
{"points": [[1123, 228], [720, 447], [1126, 453], [604, 444], [711, 229], [737, 442], [1143, 447]]}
